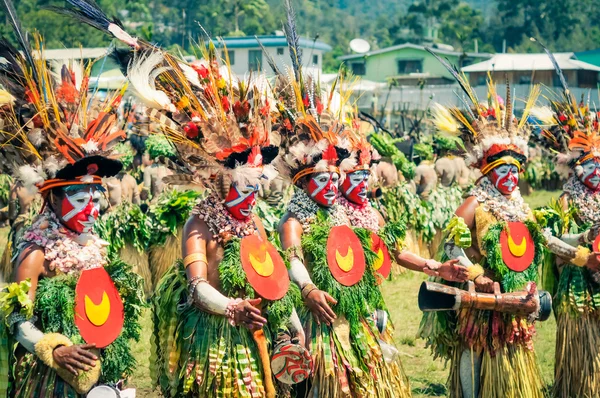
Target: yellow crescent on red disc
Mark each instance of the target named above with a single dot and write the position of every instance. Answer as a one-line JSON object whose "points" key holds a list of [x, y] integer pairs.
{"points": [[383, 262], [265, 270], [345, 255], [518, 249], [99, 313]]}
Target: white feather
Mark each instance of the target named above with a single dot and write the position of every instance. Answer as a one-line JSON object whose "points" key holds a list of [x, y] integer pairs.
{"points": [[190, 74], [140, 73]]}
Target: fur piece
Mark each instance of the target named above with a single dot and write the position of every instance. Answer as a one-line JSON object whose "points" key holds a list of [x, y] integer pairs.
{"points": [[30, 176], [82, 383], [247, 175]]}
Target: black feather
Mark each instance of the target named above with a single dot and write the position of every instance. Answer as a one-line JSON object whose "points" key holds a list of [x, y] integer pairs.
{"points": [[270, 59], [559, 72], [454, 72], [293, 40], [123, 57], [22, 38], [12, 77]]}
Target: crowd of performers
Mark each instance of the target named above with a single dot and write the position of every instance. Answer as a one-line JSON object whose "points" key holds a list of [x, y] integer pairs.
{"points": [[263, 271]]}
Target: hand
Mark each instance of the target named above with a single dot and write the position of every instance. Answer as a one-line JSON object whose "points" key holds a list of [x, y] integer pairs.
{"points": [[593, 262], [318, 302], [484, 284], [451, 271], [246, 313], [592, 233], [299, 338], [75, 358]]}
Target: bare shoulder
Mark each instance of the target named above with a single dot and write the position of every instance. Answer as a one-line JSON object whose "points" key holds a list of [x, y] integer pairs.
{"points": [[194, 226], [380, 218], [467, 210], [30, 263]]}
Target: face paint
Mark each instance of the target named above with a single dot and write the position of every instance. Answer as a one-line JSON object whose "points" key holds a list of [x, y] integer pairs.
{"points": [[240, 202], [80, 209], [591, 174], [323, 188], [505, 178], [355, 187]]}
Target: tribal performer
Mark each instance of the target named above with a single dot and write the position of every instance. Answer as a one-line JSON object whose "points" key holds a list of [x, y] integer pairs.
{"points": [[331, 262], [572, 130], [71, 312], [497, 236]]}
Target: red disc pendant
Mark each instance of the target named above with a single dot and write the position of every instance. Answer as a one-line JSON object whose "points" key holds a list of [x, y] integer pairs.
{"points": [[518, 249], [345, 256], [264, 267]]}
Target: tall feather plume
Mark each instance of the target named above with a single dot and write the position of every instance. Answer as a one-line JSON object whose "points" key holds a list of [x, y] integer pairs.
{"points": [[22, 38], [509, 107], [559, 72], [460, 78], [293, 40], [269, 58]]}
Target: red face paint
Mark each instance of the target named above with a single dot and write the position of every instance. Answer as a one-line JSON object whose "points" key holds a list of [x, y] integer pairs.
{"points": [[355, 187], [323, 188], [240, 202], [591, 174], [505, 178], [80, 209]]}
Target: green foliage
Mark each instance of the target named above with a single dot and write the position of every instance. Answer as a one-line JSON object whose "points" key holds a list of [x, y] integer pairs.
{"points": [[170, 212], [386, 146], [424, 150], [5, 184], [126, 154], [158, 145], [15, 297], [125, 224], [55, 308]]}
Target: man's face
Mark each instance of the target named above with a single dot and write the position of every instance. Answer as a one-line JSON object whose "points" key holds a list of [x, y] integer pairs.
{"points": [[505, 178], [323, 188], [240, 201], [80, 207], [355, 187], [591, 174]]}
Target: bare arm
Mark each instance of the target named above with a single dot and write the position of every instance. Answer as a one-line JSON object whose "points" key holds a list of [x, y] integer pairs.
{"points": [[13, 201]]}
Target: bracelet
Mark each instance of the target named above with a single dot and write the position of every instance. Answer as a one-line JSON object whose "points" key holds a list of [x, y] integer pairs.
{"points": [[194, 257], [475, 271], [193, 283], [307, 289], [230, 311]]}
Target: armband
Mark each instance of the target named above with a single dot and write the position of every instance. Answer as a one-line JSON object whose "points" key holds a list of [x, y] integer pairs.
{"points": [[475, 271], [581, 256], [194, 257]]}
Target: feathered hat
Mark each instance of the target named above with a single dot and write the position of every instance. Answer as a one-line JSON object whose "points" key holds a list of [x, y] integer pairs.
{"points": [[491, 133], [310, 118], [219, 126], [568, 127], [364, 155], [53, 132]]}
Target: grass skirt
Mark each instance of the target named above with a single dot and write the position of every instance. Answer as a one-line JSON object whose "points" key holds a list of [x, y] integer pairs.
{"points": [[512, 372], [196, 354], [34, 379], [348, 364], [577, 366]]}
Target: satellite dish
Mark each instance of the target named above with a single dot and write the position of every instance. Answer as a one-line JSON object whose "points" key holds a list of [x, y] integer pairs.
{"points": [[360, 46]]}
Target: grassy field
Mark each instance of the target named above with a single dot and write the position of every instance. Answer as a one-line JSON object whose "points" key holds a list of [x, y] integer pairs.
{"points": [[428, 377]]}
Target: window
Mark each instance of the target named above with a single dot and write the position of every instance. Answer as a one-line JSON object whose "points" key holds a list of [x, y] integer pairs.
{"points": [[358, 68], [525, 79], [254, 60], [316, 59], [231, 55], [280, 50], [556, 79], [406, 66]]}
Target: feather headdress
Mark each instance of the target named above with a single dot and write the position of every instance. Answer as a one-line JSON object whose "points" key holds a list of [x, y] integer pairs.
{"points": [[311, 119], [49, 128], [220, 127], [491, 133], [568, 127]]}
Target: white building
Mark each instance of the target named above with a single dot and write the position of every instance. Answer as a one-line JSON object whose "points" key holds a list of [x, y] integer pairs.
{"points": [[245, 54]]}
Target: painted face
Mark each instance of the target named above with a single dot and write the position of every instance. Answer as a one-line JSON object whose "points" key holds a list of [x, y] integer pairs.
{"points": [[240, 201], [591, 174], [80, 208], [505, 178], [355, 187], [323, 188]]}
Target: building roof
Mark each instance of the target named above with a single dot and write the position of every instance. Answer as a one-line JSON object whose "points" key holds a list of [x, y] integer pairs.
{"points": [[268, 41], [413, 46], [528, 62], [76, 53]]}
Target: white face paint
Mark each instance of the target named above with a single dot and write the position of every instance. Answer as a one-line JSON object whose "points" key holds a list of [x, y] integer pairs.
{"points": [[323, 187], [506, 178], [241, 201], [355, 179], [81, 209], [591, 174]]}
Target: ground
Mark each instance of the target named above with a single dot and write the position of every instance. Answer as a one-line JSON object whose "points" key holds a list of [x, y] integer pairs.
{"points": [[428, 377]]}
